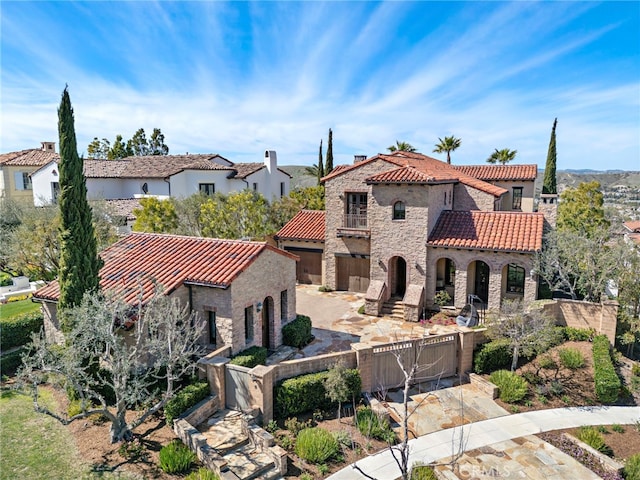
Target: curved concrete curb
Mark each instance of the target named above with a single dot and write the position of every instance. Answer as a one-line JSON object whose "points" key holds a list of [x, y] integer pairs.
{"points": [[437, 445]]}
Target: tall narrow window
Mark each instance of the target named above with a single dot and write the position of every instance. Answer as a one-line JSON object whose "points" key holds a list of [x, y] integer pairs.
{"points": [[398, 211], [282, 189], [22, 181], [516, 198], [284, 305], [207, 188], [213, 330], [55, 191], [356, 215], [515, 279], [255, 186], [248, 323]]}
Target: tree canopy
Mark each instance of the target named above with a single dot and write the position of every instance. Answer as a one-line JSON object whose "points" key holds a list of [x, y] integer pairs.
{"points": [[502, 156], [80, 264], [155, 216], [401, 147], [581, 210], [137, 145], [448, 145]]}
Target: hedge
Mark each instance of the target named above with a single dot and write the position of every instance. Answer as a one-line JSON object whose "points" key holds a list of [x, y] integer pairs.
{"points": [[604, 373], [250, 357], [16, 331], [10, 362], [306, 393], [185, 399], [297, 333], [491, 356]]}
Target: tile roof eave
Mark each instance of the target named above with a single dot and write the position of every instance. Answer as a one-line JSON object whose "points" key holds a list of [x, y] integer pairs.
{"points": [[502, 250], [411, 182], [199, 283]]}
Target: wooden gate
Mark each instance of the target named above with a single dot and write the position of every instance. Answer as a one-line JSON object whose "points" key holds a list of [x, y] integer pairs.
{"points": [[238, 388], [436, 357], [352, 274]]}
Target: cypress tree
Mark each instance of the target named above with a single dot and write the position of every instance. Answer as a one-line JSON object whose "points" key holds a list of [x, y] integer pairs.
{"points": [[320, 164], [329, 164], [79, 260], [549, 183]]}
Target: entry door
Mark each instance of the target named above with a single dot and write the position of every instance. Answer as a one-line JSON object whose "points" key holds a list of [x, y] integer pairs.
{"points": [[482, 281], [401, 277]]}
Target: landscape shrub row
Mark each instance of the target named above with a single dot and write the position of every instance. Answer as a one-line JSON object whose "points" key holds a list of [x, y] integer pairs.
{"points": [[185, 399], [605, 377], [251, 357], [16, 331], [10, 362], [307, 392], [491, 356], [297, 333]]}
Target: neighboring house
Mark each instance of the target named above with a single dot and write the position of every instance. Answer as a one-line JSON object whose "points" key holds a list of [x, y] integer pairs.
{"points": [[304, 235], [167, 176], [404, 226], [16, 169], [243, 291], [632, 231], [120, 211]]}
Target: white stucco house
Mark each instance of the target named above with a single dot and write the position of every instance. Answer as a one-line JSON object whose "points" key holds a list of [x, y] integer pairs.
{"points": [[167, 176]]}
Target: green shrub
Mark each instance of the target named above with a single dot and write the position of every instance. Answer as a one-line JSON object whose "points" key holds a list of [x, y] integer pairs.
{"points": [[632, 467], [605, 377], [571, 358], [298, 332], [185, 399], [616, 427], [324, 288], [579, 334], [316, 445], [372, 425], [295, 426], [176, 457], [5, 279], [635, 370], [547, 363], [492, 356], [307, 393], [251, 357], [18, 298], [16, 331], [513, 387], [202, 474], [9, 362], [361, 309], [594, 439], [422, 472]]}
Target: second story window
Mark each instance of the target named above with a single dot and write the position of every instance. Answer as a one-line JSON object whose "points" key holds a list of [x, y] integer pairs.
{"points": [[207, 188], [398, 211], [22, 180], [516, 198], [356, 215]]}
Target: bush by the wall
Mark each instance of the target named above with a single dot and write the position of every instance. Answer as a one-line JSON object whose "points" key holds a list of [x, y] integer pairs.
{"points": [[372, 425], [5, 279], [176, 457], [16, 331], [316, 445], [571, 358], [492, 356], [513, 387], [251, 357], [298, 332], [594, 439], [10, 362], [579, 334], [185, 399], [307, 392], [632, 467], [604, 373]]}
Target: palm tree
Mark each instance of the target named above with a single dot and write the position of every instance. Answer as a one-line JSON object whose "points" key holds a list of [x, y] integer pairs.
{"points": [[503, 156], [449, 144], [401, 147]]}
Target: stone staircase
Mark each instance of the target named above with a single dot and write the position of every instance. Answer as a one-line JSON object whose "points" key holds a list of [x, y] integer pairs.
{"points": [[243, 448], [393, 308]]}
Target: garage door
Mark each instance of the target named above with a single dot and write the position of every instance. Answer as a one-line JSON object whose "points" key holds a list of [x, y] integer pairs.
{"points": [[352, 273], [309, 268]]}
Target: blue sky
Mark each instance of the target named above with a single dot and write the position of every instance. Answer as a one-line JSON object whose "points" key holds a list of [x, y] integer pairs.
{"points": [[238, 78]]}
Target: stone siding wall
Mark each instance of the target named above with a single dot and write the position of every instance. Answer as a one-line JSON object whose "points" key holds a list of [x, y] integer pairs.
{"points": [[602, 317], [467, 198]]}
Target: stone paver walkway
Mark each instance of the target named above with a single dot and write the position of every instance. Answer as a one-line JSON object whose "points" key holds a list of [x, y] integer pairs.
{"points": [[435, 446]]}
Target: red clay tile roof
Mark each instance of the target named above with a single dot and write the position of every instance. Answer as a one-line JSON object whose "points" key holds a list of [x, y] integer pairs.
{"points": [[144, 260], [306, 225], [633, 226], [123, 207], [243, 170], [408, 174], [493, 173], [28, 158], [104, 168], [505, 231], [431, 167]]}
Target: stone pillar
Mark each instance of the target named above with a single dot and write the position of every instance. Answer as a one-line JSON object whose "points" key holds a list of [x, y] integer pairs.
{"points": [[460, 296], [262, 394], [466, 343], [364, 361], [530, 289], [548, 206], [608, 320], [495, 289], [214, 369]]}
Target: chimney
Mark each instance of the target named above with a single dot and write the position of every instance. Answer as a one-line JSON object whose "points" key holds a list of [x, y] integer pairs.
{"points": [[548, 206], [359, 158], [48, 146]]}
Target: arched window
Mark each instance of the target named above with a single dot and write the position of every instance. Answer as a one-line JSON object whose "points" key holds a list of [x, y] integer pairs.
{"points": [[515, 279], [398, 211]]}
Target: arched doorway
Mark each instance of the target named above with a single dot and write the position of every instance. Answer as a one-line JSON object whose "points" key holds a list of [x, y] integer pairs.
{"points": [[267, 320], [446, 278], [398, 274], [481, 280]]}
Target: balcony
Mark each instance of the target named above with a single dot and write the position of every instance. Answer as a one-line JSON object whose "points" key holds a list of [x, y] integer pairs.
{"points": [[354, 225]]}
